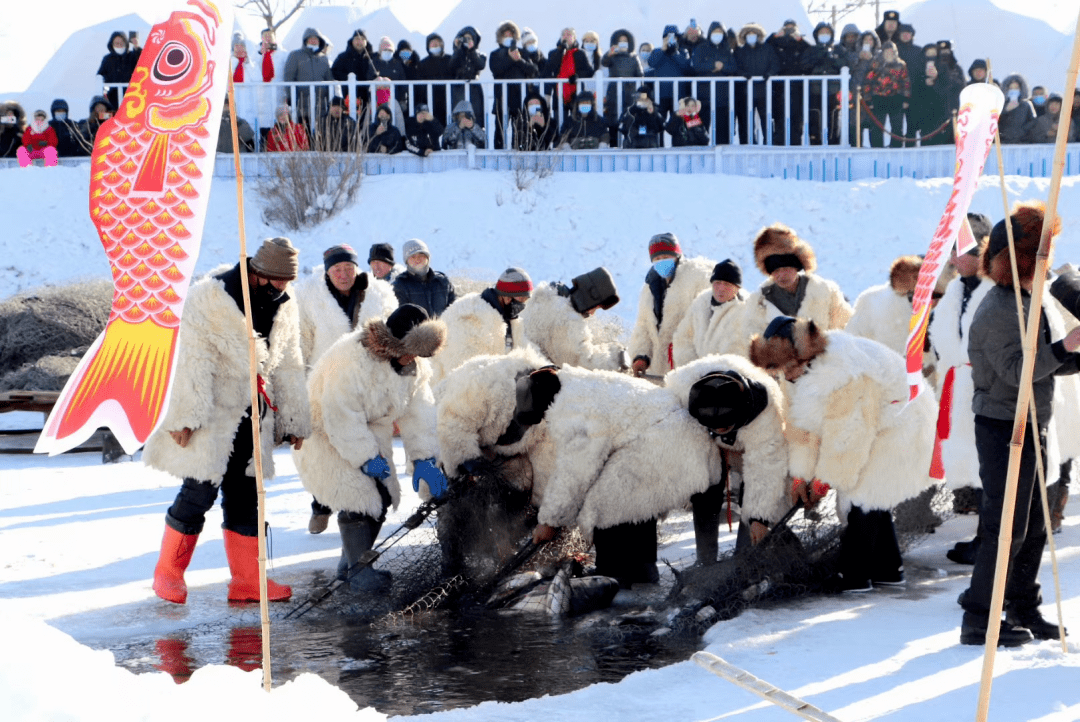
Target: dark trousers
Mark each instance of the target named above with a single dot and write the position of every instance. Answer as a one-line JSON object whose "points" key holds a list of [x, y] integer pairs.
{"points": [[891, 107], [992, 438], [869, 550], [627, 552], [787, 115], [239, 496], [318, 507]]}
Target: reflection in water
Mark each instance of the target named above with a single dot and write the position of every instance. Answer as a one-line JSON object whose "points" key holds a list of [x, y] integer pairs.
{"points": [[441, 660]]}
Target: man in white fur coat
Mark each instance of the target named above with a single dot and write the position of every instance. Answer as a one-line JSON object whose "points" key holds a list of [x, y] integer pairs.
{"points": [[743, 409], [792, 288], [365, 382], [335, 299], [557, 321], [485, 323], [205, 437], [713, 324], [850, 426], [671, 285]]}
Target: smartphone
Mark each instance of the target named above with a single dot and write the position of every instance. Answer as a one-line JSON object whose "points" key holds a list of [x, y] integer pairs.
{"points": [[693, 22], [133, 35]]}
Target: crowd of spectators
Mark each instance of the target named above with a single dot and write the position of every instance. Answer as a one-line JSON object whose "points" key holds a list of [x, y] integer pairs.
{"points": [[906, 93]]}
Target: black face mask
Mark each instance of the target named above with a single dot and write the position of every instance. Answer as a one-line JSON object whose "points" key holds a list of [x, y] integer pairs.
{"points": [[513, 309], [266, 294]]}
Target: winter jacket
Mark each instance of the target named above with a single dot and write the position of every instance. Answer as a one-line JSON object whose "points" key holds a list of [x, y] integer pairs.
{"points": [[350, 60], [822, 58], [433, 293], [883, 315], [862, 65], [887, 80], [789, 52], [761, 443], [422, 136], [1045, 128], [322, 321], [565, 336], [573, 69], [38, 141], [435, 67], [622, 64], [410, 63], [286, 138], [211, 388], [475, 328], [849, 54], [88, 128], [1015, 124], [583, 132], [245, 135], [503, 67], [457, 138], [336, 134], [706, 54], [824, 304], [304, 65], [850, 424], [949, 331], [650, 340], [687, 130], [467, 64], [388, 141], [995, 348], [708, 329], [642, 127], [356, 398], [671, 62], [117, 67], [529, 136], [69, 141], [759, 61]]}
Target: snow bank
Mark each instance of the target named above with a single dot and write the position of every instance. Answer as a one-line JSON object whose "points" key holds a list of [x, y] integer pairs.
{"points": [[53, 677]]}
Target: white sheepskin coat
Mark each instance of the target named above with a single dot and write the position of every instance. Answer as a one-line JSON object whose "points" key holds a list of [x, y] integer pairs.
{"points": [[322, 322], [707, 330], [824, 304], [691, 277], [476, 405], [473, 328], [761, 443], [355, 400], [849, 424], [949, 336], [881, 314], [564, 335], [211, 386], [627, 451]]}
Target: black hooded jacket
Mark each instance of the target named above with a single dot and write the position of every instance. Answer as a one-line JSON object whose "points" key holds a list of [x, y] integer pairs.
{"points": [[467, 64], [435, 67], [707, 54], [352, 61], [822, 59], [116, 67], [69, 141], [583, 131], [531, 136]]}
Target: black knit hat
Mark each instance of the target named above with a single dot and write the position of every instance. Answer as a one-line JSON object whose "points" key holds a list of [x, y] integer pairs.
{"points": [[405, 318], [727, 270], [381, 252], [342, 253]]}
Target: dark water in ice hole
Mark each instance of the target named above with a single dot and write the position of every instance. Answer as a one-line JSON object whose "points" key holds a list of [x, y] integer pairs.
{"points": [[439, 660]]}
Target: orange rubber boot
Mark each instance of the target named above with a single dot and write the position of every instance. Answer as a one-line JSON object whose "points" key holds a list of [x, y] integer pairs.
{"points": [[176, 550], [243, 554]]}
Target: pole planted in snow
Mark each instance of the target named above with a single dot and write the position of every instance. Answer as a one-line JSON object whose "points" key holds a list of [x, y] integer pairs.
{"points": [[253, 370], [1042, 263]]}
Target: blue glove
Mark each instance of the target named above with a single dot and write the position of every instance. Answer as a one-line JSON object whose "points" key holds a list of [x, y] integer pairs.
{"points": [[426, 471], [376, 468]]}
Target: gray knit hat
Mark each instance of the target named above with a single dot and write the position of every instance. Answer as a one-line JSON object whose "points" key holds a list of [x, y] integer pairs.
{"points": [[276, 260], [514, 282], [414, 246]]}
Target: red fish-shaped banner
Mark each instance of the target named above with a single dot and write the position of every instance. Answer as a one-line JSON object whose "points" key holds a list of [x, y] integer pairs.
{"points": [[150, 174], [976, 126]]}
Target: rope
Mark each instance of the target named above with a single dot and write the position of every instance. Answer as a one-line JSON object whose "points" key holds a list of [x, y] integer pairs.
{"points": [[901, 138]]}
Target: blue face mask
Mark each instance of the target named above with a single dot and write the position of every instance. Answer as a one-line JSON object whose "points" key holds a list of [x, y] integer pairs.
{"points": [[405, 54], [435, 50], [665, 267], [584, 108], [1039, 100]]}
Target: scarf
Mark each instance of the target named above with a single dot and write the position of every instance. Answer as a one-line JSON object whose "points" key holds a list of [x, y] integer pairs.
{"points": [[268, 67], [238, 74]]}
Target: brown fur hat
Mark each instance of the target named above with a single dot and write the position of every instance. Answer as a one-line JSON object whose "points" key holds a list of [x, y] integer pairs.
{"points": [[507, 25], [1027, 224], [904, 274], [781, 351], [778, 239], [424, 339]]}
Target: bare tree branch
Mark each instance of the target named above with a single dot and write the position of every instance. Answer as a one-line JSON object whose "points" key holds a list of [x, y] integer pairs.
{"points": [[269, 9]]}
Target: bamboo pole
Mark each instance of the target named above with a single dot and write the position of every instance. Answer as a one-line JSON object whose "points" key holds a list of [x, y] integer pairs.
{"points": [[253, 370], [1024, 396], [1040, 467], [769, 692]]}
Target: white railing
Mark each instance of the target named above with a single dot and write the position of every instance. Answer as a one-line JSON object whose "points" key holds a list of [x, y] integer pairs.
{"points": [[733, 96]]}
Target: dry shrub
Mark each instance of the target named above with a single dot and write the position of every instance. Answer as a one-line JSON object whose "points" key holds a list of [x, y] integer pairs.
{"points": [[305, 188], [51, 321]]}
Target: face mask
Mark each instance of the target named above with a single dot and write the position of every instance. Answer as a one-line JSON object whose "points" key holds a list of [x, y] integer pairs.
{"points": [[435, 50], [119, 51], [513, 309], [716, 38], [751, 40], [867, 48], [665, 267], [531, 47], [313, 48], [8, 120], [387, 55], [671, 40], [642, 104], [418, 270], [406, 54], [623, 46], [507, 42], [61, 115], [1014, 95], [824, 39], [534, 109], [590, 47], [1037, 100], [266, 294], [644, 55], [584, 108]]}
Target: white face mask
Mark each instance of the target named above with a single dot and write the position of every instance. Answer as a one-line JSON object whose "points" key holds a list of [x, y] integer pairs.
{"points": [[386, 55], [670, 39], [824, 39], [61, 115], [534, 109], [313, 47], [590, 47], [623, 46], [531, 47], [867, 48], [716, 38], [507, 42], [435, 50], [751, 40]]}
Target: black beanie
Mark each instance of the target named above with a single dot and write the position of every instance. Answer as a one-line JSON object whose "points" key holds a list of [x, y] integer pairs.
{"points": [[342, 253], [405, 318], [727, 270], [999, 237], [381, 252]]}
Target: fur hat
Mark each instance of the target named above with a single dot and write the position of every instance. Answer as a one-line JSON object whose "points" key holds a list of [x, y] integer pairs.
{"points": [[779, 240], [663, 243], [1027, 224], [904, 274], [593, 289], [407, 332], [786, 343], [527, 34], [514, 282], [727, 270], [276, 260]]}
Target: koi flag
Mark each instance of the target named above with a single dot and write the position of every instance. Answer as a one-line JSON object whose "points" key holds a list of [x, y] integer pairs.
{"points": [[150, 173], [976, 126]]}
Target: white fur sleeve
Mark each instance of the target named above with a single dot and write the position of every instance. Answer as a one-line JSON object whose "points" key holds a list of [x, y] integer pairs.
{"points": [[641, 343], [765, 467], [290, 390], [345, 419], [682, 342], [417, 425]]}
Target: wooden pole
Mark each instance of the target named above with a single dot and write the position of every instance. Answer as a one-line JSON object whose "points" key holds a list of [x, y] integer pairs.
{"points": [[253, 370], [1039, 466], [1024, 396]]}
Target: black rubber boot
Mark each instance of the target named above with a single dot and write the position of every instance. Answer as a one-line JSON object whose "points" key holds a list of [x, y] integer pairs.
{"points": [[964, 552], [706, 506], [1033, 621], [357, 537], [973, 631]]}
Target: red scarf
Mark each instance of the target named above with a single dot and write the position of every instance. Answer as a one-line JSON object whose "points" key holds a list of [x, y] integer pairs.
{"points": [[268, 67], [238, 74], [692, 121], [566, 69]]}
